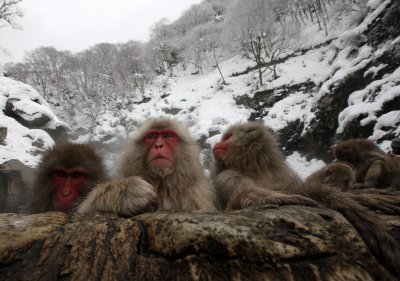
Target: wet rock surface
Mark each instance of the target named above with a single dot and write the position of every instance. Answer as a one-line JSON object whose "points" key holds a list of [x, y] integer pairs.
{"points": [[263, 243]]}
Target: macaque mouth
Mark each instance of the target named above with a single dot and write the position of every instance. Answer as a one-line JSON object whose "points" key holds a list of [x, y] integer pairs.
{"points": [[160, 160], [218, 151], [159, 157], [65, 193]]}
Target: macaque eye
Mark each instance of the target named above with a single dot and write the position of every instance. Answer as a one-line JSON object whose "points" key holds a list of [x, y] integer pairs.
{"points": [[226, 137], [152, 136], [60, 174], [77, 175], [168, 135]]}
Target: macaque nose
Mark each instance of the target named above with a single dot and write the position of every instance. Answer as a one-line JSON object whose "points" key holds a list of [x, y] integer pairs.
{"points": [[159, 143], [66, 190]]}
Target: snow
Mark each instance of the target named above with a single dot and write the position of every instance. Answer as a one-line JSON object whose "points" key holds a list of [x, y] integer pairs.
{"points": [[370, 100], [20, 141], [207, 106], [294, 107]]}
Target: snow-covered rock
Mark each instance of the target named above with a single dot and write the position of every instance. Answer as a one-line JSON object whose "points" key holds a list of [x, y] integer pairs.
{"points": [[26, 121]]}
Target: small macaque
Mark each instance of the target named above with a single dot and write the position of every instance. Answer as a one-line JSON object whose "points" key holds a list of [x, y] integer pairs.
{"points": [[373, 167], [65, 174], [159, 169], [250, 169], [325, 186], [341, 176]]}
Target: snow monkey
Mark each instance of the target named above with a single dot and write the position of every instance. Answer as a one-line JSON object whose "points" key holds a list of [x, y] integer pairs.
{"points": [[65, 174], [249, 169], [159, 169], [341, 176], [373, 167], [325, 186]]}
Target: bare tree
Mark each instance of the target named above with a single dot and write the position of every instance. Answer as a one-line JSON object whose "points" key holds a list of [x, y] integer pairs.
{"points": [[9, 11]]}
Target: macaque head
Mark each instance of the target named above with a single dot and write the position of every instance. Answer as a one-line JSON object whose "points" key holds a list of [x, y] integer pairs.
{"points": [[161, 145], [340, 175], [66, 173], [246, 147], [355, 151], [159, 148], [346, 151], [67, 184]]}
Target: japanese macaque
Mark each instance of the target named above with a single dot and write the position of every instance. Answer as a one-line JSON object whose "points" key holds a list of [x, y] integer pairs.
{"points": [[325, 185], [160, 169], [373, 167], [249, 169], [65, 174], [341, 176]]}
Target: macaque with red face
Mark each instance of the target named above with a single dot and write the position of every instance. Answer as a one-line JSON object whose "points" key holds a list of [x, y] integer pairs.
{"points": [[64, 176], [249, 169], [159, 169]]}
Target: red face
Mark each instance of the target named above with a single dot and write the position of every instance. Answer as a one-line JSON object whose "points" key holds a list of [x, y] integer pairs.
{"points": [[221, 147], [67, 183], [161, 146]]}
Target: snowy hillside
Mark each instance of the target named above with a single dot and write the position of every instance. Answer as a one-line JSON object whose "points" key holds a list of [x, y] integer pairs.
{"points": [[208, 107], [346, 86]]}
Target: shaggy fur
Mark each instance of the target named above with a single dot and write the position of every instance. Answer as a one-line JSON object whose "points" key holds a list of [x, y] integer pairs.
{"points": [[339, 175], [183, 186], [373, 167], [324, 187], [253, 171], [68, 155]]}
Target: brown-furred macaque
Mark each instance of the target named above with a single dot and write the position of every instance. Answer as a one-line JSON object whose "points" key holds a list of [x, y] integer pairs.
{"points": [[159, 169], [65, 174], [323, 187], [250, 169], [373, 167], [341, 176], [338, 174]]}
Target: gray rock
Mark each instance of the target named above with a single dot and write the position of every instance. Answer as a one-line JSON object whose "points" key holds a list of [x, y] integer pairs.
{"points": [[265, 243]]}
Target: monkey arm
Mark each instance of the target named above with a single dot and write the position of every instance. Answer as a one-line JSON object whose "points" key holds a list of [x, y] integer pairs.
{"points": [[237, 191], [125, 197], [229, 183], [374, 172], [376, 204], [370, 227], [260, 196]]}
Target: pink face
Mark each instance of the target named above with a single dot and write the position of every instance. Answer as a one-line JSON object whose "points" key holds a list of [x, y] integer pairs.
{"points": [[67, 183], [221, 147], [161, 145]]}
